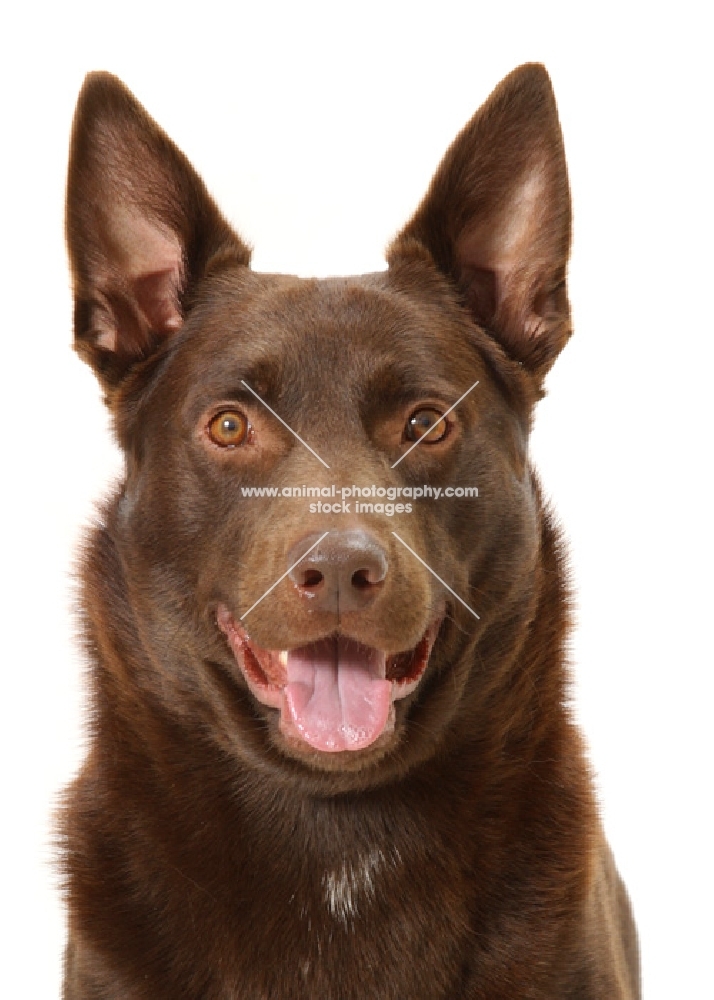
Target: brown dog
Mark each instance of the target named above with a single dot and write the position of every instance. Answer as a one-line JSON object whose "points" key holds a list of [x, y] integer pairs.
{"points": [[330, 754]]}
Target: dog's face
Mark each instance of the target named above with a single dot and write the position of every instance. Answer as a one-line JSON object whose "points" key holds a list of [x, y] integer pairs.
{"points": [[338, 643]]}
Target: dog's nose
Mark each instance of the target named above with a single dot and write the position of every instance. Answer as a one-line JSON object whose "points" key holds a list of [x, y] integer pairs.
{"points": [[342, 573]]}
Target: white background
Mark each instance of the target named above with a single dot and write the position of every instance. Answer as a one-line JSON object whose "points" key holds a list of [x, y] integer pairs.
{"points": [[317, 128]]}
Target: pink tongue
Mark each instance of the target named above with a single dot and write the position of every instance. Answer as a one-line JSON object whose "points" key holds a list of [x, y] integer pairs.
{"points": [[336, 697]]}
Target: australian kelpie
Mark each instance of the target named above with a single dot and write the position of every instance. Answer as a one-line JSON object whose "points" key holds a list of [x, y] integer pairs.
{"points": [[326, 613]]}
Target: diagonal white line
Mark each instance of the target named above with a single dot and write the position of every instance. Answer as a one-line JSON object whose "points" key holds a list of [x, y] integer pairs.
{"points": [[282, 577], [436, 574], [442, 417], [284, 424]]}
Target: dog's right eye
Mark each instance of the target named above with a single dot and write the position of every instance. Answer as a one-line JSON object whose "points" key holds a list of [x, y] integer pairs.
{"points": [[229, 429]]}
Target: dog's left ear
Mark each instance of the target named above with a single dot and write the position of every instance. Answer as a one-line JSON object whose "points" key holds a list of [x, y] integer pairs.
{"points": [[141, 230], [496, 220]]}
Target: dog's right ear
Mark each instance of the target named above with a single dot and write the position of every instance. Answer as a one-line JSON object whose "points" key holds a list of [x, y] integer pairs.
{"points": [[141, 230]]}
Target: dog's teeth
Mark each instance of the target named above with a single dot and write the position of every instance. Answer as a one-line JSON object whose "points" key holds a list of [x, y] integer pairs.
{"points": [[283, 658]]}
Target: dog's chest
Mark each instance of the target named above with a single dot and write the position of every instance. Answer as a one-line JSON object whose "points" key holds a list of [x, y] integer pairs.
{"points": [[377, 921]]}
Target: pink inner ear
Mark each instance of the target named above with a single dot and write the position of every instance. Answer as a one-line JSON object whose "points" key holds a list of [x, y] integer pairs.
{"points": [[146, 267], [502, 255], [158, 298]]}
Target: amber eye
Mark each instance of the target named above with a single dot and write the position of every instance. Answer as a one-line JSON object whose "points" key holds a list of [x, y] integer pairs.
{"points": [[229, 429], [426, 424]]}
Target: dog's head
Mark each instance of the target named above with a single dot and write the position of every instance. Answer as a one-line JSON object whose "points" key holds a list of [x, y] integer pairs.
{"points": [[324, 631]]}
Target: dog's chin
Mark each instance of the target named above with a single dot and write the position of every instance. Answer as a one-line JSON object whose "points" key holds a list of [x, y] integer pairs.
{"points": [[334, 700]]}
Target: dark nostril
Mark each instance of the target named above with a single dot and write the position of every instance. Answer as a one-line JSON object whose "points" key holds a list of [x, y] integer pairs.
{"points": [[361, 580], [311, 578]]}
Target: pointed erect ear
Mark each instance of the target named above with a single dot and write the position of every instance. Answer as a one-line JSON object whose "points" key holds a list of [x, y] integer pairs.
{"points": [[496, 219], [141, 229]]}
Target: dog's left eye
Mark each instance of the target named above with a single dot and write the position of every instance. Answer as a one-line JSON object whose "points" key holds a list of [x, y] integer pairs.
{"points": [[229, 429], [426, 424]]}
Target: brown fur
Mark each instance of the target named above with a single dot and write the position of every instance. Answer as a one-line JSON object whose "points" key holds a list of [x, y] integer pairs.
{"points": [[207, 857]]}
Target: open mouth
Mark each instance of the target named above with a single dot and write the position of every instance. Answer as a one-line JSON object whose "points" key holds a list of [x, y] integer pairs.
{"points": [[334, 694]]}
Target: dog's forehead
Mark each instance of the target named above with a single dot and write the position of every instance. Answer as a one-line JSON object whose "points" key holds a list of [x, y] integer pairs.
{"points": [[355, 305], [364, 322]]}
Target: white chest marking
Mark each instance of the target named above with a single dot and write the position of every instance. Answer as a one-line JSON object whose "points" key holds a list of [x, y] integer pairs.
{"points": [[353, 883]]}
